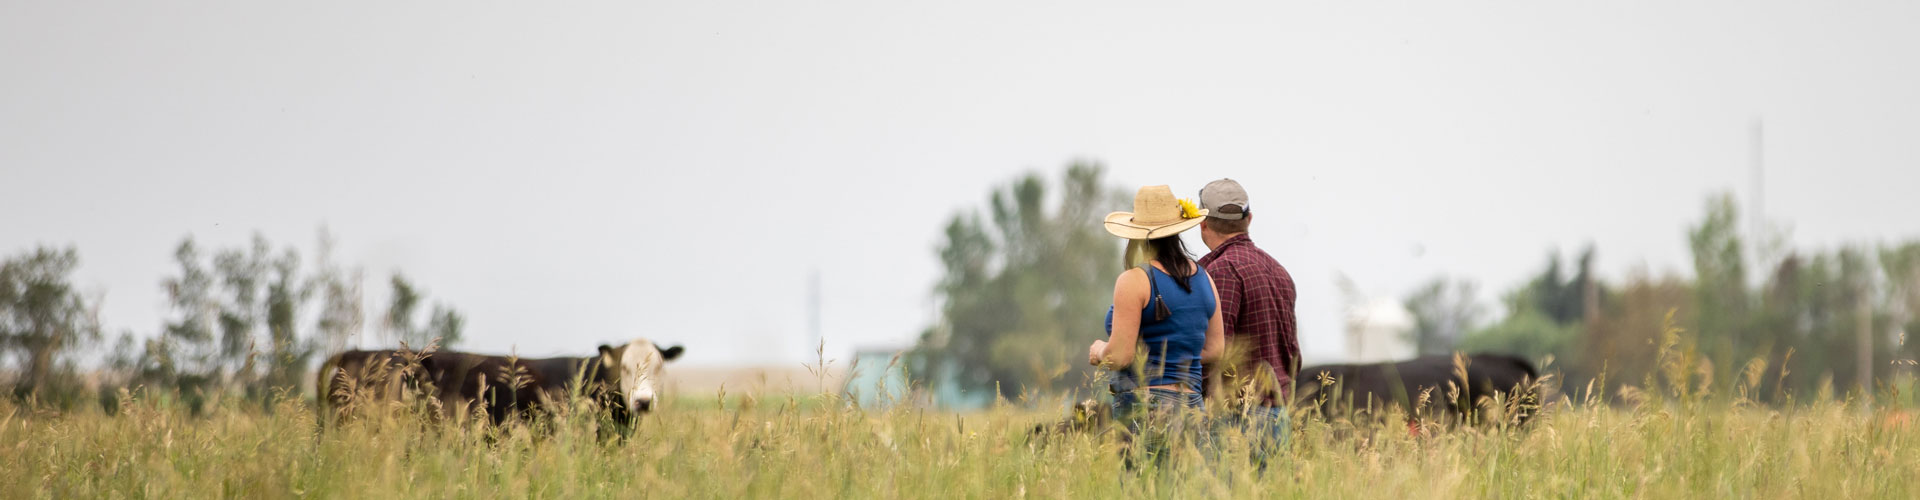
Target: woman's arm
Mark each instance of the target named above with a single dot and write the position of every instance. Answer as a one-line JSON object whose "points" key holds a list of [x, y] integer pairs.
{"points": [[1129, 298], [1216, 331]]}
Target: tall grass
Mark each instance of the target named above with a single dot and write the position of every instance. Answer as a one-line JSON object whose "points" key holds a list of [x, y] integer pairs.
{"points": [[1672, 438], [816, 448]]}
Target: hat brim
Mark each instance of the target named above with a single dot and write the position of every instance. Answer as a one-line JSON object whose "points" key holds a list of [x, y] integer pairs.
{"points": [[1121, 224]]}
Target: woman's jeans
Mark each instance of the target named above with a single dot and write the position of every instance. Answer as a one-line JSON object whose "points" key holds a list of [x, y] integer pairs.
{"points": [[1159, 420]]}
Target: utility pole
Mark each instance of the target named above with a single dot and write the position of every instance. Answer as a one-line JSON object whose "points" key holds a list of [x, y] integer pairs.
{"points": [[1863, 321], [1757, 238], [813, 310]]}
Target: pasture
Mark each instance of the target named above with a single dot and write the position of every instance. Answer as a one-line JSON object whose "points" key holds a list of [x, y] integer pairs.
{"points": [[817, 447]]}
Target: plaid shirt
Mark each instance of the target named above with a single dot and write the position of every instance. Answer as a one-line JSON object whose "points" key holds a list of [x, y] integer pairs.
{"points": [[1256, 307]]}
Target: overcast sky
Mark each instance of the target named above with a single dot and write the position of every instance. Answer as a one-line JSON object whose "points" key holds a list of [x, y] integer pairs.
{"points": [[570, 175]]}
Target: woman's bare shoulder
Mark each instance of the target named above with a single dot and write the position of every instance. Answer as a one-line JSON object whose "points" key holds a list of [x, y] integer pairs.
{"points": [[1131, 278]]}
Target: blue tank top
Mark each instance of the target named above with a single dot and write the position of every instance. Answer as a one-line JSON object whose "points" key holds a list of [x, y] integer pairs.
{"points": [[1172, 345]]}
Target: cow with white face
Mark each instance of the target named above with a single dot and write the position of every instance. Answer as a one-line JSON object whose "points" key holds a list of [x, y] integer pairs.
{"points": [[625, 380], [635, 368]]}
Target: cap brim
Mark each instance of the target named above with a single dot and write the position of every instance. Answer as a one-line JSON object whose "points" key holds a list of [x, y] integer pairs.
{"points": [[1121, 224], [1227, 216]]}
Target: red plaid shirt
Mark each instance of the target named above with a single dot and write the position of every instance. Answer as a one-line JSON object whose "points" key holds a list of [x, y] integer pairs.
{"points": [[1256, 306]]}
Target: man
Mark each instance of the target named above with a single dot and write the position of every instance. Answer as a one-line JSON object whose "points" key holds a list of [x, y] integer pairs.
{"points": [[1256, 305]]}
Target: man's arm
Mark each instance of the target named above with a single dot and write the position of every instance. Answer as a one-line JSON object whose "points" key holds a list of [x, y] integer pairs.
{"points": [[1289, 332]]}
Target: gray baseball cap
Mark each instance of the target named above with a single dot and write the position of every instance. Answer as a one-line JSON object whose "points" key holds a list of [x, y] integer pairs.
{"points": [[1224, 199]]}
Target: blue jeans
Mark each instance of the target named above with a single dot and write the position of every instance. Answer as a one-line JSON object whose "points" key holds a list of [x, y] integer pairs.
{"points": [[1157, 419], [1267, 429]]}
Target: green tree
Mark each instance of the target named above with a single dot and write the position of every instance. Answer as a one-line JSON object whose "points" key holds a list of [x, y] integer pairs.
{"points": [[185, 354], [1443, 311], [288, 353], [242, 274], [1025, 287], [1902, 266], [1546, 315], [43, 319], [444, 325], [342, 305], [1818, 305], [401, 303], [1531, 334], [1720, 283], [235, 325], [1621, 341]]}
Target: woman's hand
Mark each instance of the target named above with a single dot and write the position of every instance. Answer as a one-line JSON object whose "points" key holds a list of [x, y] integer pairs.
{"points": [[1096, 351]]}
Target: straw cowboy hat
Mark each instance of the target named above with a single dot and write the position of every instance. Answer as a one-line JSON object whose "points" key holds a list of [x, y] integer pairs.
{"points": [[1156, 214]]}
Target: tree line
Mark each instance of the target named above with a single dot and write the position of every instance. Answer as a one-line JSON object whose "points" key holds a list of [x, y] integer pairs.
{"points": [[244, 322], [1813, 322]]}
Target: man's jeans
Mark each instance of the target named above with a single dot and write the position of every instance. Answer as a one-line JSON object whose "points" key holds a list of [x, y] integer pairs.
{"points": [[1266, 428]]}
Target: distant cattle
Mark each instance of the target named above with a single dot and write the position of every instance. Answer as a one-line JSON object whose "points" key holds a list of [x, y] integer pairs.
{"points": [[1377, 386], [1343, 388], [623, 379]]}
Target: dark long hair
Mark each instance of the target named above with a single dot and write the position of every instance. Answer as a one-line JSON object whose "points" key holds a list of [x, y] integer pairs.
{"points": [[1172, 254]]}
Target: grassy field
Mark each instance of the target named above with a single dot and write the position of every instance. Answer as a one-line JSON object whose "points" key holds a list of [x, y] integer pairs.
{"points": [[816, 448]]}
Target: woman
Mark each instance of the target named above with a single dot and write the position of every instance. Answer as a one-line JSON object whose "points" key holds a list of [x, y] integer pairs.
{"points": [[1165, 309]]}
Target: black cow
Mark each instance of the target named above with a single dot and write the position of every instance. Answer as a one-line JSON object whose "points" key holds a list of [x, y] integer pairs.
{"points": [[623, 379], [377, 375], [1349, 387]]}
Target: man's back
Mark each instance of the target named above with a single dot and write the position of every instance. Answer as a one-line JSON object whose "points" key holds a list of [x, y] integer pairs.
{"points": [[1257, 307]]}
